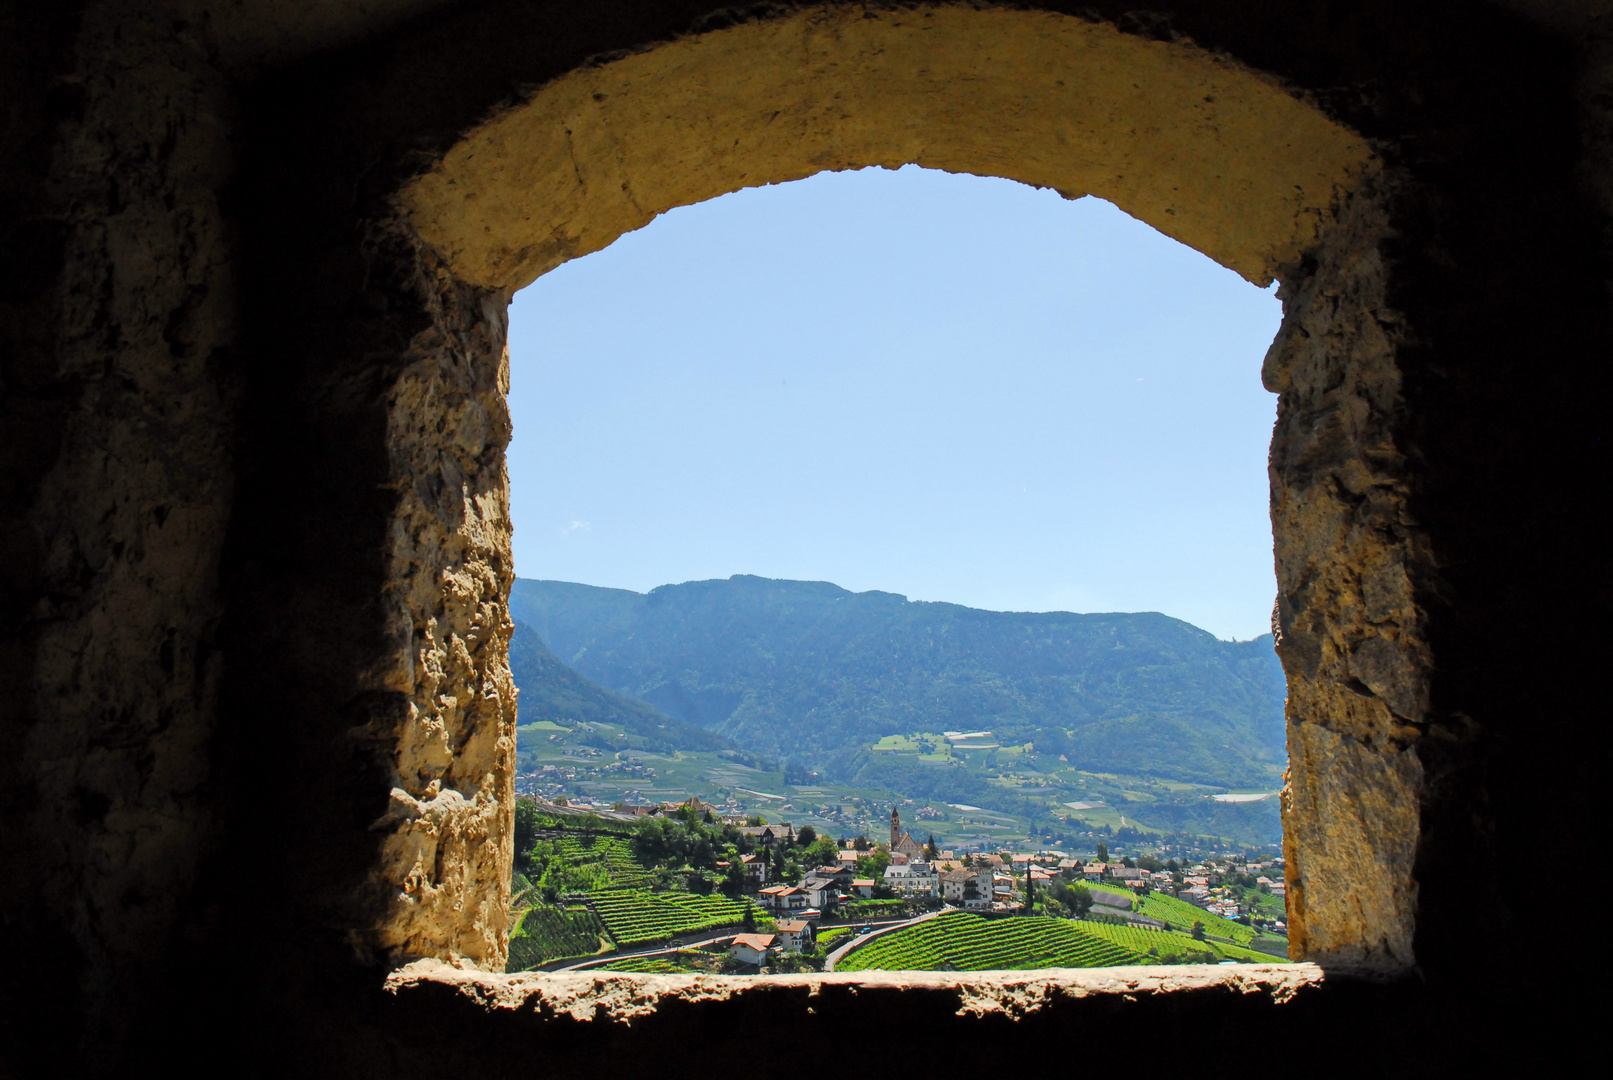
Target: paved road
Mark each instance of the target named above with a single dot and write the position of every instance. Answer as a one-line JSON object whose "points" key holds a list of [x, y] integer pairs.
{"points": [[693, 942], [659, 950]]}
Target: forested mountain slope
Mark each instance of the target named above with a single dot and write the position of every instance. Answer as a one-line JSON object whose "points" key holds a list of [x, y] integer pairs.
{"points": [[554, 692], [814, 673]]}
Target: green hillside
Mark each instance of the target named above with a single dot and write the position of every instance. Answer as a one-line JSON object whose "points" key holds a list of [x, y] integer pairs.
{"points": [[545, 932], [959, 941], [554, 693], [1179, 914], [809, 672]]}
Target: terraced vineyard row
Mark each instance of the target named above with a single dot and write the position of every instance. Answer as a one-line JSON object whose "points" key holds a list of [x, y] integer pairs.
{"points": [[647, 965], [613, 854], [833, 936], [1158, 945], [634, 916], [1181, 914], [959, 941], [548, 933]]}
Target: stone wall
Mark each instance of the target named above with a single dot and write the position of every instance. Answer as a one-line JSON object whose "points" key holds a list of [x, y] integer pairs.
{"points": [[1348, 627], [117, 400]]}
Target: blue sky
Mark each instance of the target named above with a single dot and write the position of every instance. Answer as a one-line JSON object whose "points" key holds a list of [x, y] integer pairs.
{"points": [[951, 387]]}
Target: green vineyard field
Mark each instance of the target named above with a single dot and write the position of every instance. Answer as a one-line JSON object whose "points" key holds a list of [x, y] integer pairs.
{"points": [[959, 941], [547, 933], [612, 857], [833, 936], [633, 915], [648, 965], [1181, 915], [854, 910], [1159, 945]]}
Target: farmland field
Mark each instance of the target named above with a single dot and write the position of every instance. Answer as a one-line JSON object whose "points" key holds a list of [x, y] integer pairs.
{"points": [[547, 933], [959, 941], [612, 855], [1158, 945], [831, 936], [650, 965], [634, 915], [1182, 915]]}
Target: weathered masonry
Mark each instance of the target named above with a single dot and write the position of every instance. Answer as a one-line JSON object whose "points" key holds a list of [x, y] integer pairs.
{"points": [[258, 719]]}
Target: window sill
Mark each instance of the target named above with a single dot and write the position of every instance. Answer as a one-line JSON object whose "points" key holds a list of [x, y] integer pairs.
{"points": [[623, 998]]}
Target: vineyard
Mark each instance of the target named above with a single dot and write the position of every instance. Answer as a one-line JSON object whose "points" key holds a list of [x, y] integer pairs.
{"points": [[610, 856], [1162, 945], [650, 965], [859, 910], [549, 933], [1182, 915], [959, 941], [830, 937], [634, 916]]}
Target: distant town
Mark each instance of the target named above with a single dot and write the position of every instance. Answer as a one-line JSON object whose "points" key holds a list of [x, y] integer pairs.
{"points": [[692, 887]]}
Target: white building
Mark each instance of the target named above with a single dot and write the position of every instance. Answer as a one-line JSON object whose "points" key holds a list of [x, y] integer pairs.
{"points": [[785, 898], [820, 892], [752, 948], [970, 888], [795, 935], [913, 879]]}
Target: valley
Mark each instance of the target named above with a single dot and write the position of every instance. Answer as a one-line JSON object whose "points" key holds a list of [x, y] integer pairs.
{"points": [[708, 775], [802, 699]]}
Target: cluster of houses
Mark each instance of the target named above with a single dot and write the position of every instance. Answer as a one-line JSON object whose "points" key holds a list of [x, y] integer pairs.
{"points": [[797, 909], [1201, 889], [986, 883]]}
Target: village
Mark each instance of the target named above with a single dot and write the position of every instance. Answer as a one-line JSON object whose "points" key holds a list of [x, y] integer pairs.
{"points": [[817, 917]]}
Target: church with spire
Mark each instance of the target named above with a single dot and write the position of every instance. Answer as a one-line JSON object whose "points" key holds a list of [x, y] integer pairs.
{"points": [[903, 842]]}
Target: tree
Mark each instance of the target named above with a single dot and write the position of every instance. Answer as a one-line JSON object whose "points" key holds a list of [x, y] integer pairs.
{"points": [[873, 864], [526, 833], [1078, 898], [822, 853], [930, 850], [1103, 851], [733, 878], [807, 836], [750, 917], [1198, 931]]}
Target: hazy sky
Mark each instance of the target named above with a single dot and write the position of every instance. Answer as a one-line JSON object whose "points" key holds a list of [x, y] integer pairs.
{"points": [[948, 387]]}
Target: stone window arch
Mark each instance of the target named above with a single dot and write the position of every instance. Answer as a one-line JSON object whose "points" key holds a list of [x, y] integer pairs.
{"points": [[1203, 148]]}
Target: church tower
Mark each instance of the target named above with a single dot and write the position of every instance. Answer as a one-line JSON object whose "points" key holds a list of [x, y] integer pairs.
{"points": [[896, 828]]}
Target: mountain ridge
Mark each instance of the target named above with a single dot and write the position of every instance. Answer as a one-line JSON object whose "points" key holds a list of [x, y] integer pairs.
{"points": [[813, 673]]}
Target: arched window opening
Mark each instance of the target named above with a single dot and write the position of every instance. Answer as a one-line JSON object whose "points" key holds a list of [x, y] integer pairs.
{"points": [[867, 440], [1214, 155]]}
